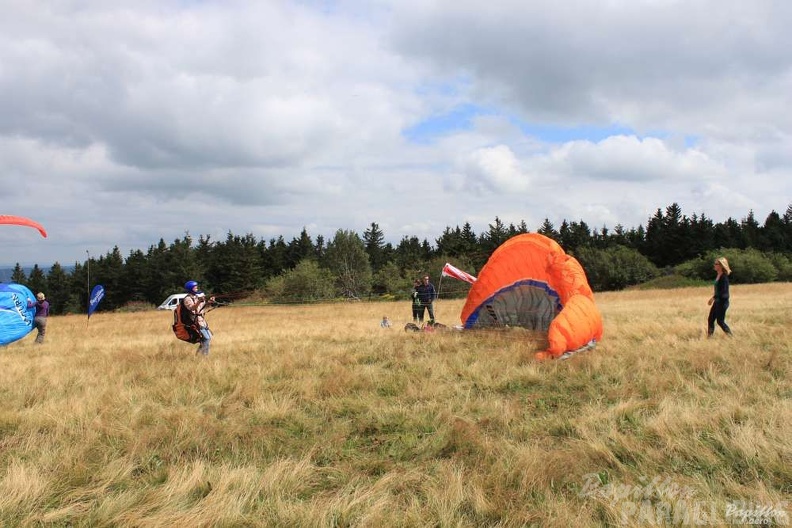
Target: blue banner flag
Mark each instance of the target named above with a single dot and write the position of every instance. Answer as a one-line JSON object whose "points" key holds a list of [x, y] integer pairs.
{"points": [[97, 294]]}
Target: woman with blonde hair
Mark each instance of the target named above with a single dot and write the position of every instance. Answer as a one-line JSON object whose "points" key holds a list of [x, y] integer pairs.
{"points": [[719, 302], [40, 319]]}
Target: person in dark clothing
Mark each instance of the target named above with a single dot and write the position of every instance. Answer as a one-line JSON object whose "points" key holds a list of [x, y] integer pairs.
{"points": [[426, 294], [719, 302], [40, 319], [415, 301]]}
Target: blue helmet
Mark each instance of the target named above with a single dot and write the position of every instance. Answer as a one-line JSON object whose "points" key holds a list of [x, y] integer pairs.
{"points": [[189, 285]]}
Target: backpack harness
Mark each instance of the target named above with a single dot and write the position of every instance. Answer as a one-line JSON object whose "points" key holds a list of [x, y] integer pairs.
{"points": [[185, 324]]}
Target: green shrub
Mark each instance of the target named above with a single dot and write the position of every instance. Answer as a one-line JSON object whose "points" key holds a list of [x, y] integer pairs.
{"points": [[748, 266], [668, 282], [307, 282], [388, 281], [615, 268], [783, 265]]}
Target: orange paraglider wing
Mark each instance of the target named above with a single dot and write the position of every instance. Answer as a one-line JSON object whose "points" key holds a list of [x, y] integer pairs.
{"points": [[530, 282], [22, 221]]}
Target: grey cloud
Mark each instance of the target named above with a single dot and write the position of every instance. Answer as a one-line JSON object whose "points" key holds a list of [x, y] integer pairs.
{"points": [[597, 62], [271, 116]]}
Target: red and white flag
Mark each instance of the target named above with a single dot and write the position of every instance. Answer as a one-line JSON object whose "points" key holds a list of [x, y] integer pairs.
{"points": [[451, 271]]}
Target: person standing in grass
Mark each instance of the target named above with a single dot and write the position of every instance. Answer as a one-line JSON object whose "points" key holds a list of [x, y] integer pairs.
{"points": [[196, 302], [427, 295], [40, 319], [719, 302], [416, 302]]}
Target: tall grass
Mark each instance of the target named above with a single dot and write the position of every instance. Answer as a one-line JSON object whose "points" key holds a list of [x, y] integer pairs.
{"points": [[315, 416]]}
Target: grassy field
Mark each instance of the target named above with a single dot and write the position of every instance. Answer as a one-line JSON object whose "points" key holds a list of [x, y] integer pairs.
{"points": [[307, 416]]}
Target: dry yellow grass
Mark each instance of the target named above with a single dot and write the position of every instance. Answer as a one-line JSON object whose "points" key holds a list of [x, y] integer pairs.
{"points": [[315, 416]]}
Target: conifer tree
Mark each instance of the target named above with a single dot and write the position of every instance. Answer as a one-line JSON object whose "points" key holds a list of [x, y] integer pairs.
{"points": [[374, 243], [18, 275], [299, 249], [37, 281], [548, 229], [774, 234], [57, 289], [346, 258]]}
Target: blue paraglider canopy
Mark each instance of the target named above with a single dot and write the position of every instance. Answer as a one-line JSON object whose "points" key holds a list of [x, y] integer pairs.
{"points": [[16, 312]]}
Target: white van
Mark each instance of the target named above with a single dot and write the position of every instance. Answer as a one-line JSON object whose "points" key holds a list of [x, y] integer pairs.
{"points": [[172, 302]]}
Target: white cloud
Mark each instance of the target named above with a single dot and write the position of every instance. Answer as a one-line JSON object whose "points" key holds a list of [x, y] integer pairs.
{"points": [[494, 169], [627, 158], [117, 120]]}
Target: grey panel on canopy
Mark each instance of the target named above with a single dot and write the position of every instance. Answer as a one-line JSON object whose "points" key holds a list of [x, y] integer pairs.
{"points": [[524, 306]]}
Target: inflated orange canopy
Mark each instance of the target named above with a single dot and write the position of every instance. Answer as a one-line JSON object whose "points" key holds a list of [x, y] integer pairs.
{"points": [[530, 282]]}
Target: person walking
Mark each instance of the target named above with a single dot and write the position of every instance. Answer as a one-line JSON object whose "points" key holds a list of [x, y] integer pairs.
{"points": [[40, 319], [415, 301], [427, 295], [719, 302], [196, 303]]}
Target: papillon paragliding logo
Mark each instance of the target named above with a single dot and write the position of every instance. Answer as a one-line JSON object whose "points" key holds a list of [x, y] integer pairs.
{"points": [[21, 308], [97, 294]]}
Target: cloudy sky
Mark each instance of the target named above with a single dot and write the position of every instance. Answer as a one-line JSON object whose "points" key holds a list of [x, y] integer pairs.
{"points": [[125, 122]]}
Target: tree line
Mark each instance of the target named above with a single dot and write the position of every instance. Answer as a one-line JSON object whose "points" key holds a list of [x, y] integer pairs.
{"points": [[354, 266]]}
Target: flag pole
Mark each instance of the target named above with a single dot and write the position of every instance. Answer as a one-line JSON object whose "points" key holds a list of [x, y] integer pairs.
{"points": [[439, 287]]}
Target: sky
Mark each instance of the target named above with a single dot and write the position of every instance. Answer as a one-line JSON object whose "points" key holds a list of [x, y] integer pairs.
{"points": [[123, 123]]}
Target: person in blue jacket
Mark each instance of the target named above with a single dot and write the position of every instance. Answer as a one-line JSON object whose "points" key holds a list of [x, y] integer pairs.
{"points": [[426, 295], [719, 302]]}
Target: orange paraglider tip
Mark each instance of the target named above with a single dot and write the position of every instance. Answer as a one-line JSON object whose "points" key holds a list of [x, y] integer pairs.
{"points": [[22, 221]]}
